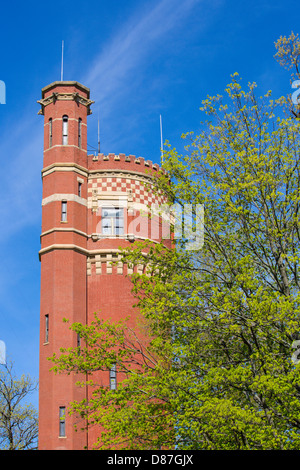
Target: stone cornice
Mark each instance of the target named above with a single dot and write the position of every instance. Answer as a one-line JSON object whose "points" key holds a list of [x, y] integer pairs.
{"points": [[72, 83], [56, 96], [80, 249], [64, 229], [138, 175], [64, 197], [91, 174], [65, 167]]}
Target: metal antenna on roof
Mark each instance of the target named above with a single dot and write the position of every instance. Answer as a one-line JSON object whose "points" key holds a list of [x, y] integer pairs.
{"points": [[161, 141], [62, 62], [98, 134]]}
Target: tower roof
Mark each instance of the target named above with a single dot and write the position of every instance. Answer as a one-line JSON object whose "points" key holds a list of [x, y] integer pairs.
{"points": [[65, 90], [65, 83]]}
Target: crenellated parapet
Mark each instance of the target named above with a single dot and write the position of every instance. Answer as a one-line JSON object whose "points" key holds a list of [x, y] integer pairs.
{"points": [[121, 161]]}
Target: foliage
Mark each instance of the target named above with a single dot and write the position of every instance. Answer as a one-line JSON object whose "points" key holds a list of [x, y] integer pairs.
{"points": [[288, 55], [138, 403], [217, 372], [18, 421], [288, 52]]}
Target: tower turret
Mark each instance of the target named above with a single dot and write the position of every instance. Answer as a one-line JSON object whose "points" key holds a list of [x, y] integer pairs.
{"points": [[92, 205], [65, 107]]}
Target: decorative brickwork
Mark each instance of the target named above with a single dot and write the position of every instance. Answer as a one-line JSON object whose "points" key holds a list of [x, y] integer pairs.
{"points": [[133, 185]]}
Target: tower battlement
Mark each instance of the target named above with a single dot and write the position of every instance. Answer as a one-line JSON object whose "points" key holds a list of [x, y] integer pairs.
{"points": [[122, 162]]}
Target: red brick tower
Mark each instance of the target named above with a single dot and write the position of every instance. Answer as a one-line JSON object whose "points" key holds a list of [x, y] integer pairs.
{"points": [[91, 206]]}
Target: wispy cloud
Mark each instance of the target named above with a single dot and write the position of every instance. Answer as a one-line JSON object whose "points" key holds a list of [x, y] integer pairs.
{"points": [[126, 56], [108, 77], [22, 184], [142, 34]]}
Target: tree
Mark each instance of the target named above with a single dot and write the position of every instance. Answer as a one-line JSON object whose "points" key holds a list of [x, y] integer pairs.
{"points": [[221, 365], [288, 55], [18, 422], [141, 412]]}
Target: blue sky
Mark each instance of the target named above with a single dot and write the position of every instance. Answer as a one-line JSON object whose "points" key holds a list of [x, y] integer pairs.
{"points": [[140, 59]]}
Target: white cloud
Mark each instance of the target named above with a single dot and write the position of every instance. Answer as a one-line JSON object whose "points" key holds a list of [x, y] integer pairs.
{"points": [[109, 75], [21, 186], [142, 33]]}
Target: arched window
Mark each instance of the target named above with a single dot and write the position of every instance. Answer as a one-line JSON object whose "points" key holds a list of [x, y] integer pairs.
{"points": [[65, 130], [50, 132], [79, 132]]}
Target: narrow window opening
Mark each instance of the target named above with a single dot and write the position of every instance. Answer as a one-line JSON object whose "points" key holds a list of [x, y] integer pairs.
{"points": [[47, 328], [113, 377], [79, 189], [79, 132], [78, 343], [50, 132], [65, 130], [62, 421], [63, 211]]}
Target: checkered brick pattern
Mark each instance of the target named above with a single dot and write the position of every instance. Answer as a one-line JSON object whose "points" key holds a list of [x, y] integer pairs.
{"points": [[138, 190]]}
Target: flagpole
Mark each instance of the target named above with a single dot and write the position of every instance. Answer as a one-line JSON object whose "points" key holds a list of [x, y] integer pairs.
{"points": [[62, 62], [161, 139], [98, 134]]}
